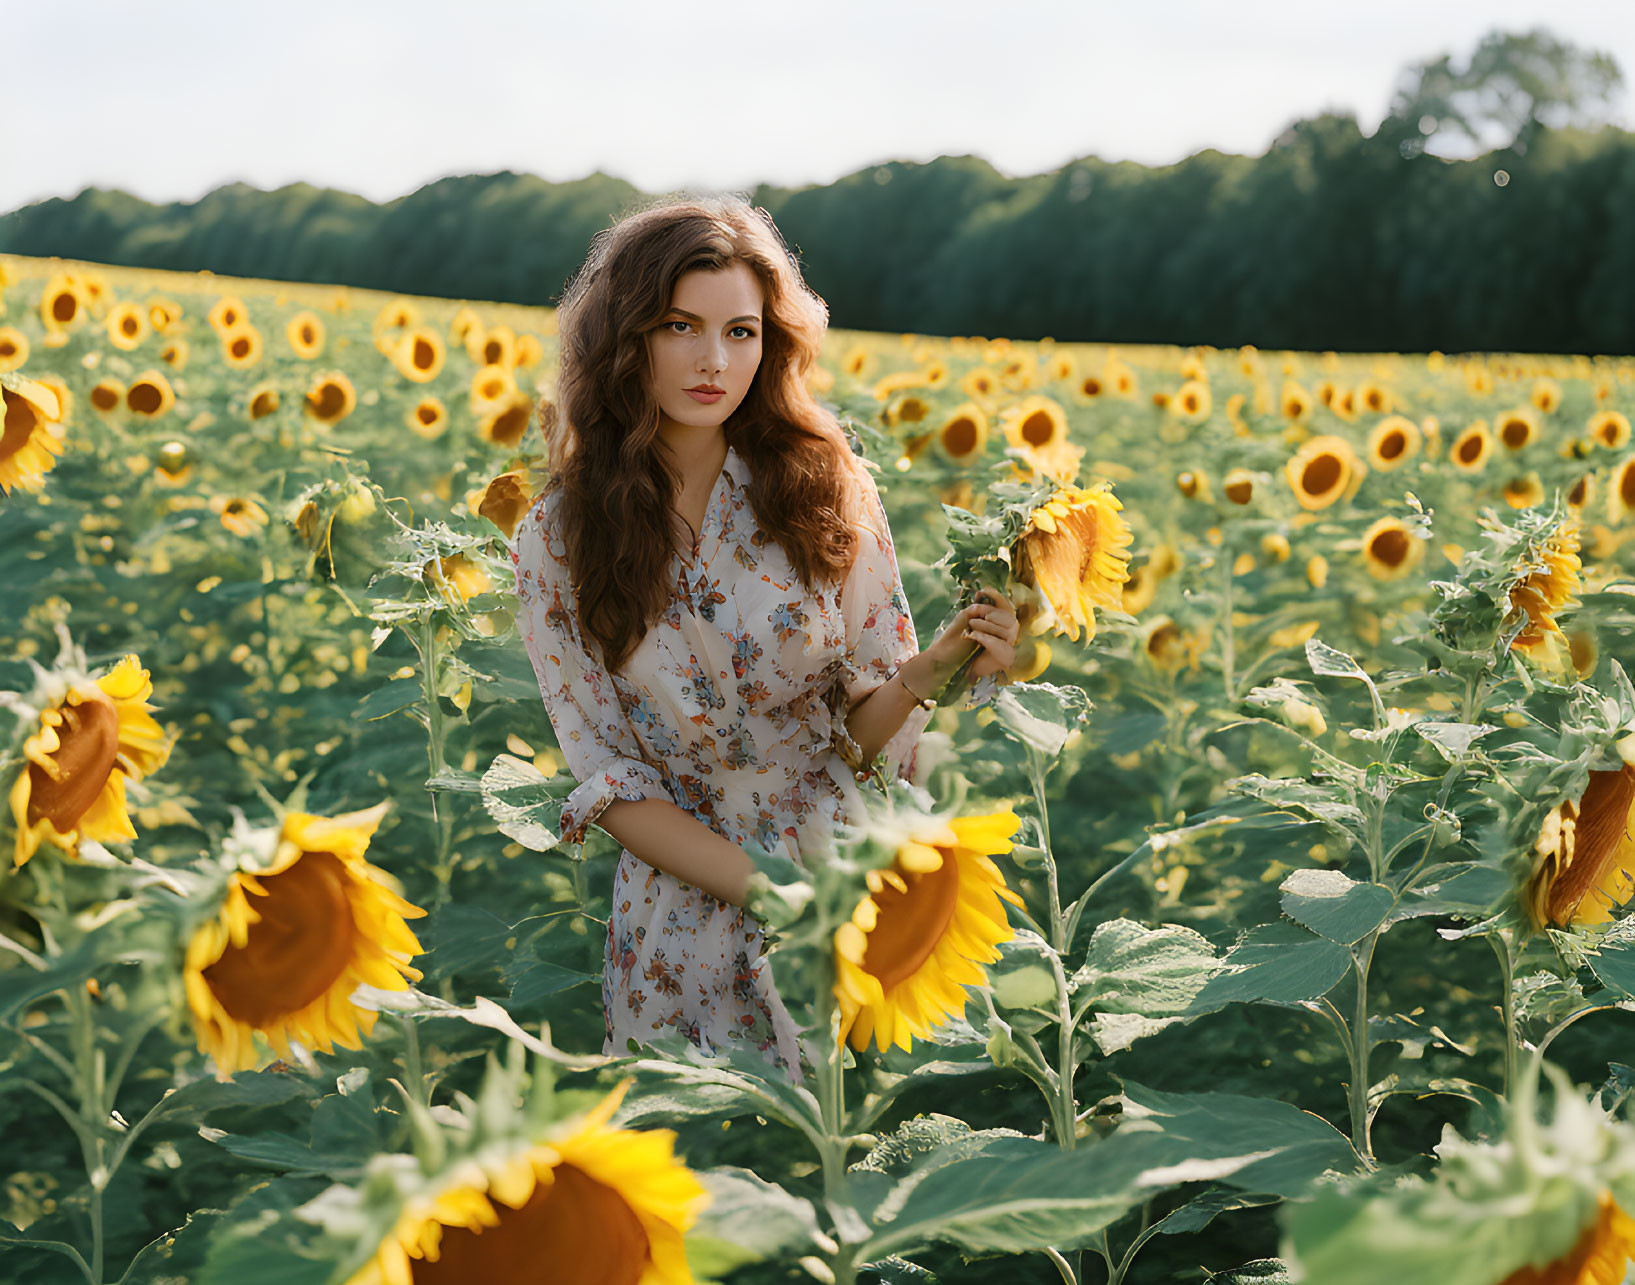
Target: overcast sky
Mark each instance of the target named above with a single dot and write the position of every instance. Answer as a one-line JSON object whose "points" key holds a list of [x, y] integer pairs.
{"points": [[170, 98]]}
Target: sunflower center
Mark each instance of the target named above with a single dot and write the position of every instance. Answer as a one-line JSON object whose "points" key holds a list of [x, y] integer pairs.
{"points": [[1038, 429], [1470, 450], [90, 745], [1394, 444], [575, 1231], [910, 924], [959, 437], [20, 421], [1626, 486], [298, 948], [1515, 433], [1390, 547], [144, 398], [329, 402], [425, 356], [1321, 475]]}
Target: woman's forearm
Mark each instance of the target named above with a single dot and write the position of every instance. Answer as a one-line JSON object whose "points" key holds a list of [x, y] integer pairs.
{"points": [[879, 716], [672, 840]]}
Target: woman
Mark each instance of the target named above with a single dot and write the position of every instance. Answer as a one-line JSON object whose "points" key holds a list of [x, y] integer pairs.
{"points": [[711, 601]]}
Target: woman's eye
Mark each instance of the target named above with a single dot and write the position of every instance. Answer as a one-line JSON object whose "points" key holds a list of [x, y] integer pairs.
{"points": [[748, 333], [675, 323]]}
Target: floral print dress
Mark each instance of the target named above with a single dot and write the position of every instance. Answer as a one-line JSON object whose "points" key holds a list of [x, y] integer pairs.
{"points": [[732, 708]]}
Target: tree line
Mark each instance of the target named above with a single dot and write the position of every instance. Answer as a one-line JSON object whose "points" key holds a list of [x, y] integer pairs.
{"points": [[1331, 239]]}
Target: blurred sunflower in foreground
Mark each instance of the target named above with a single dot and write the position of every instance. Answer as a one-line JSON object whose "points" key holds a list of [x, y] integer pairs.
{"points": [[1584, 856], [90, 735], [1543, 1203], [580, 1204], [304, 922], [30, 438], [1074, 553], [930, 921]]}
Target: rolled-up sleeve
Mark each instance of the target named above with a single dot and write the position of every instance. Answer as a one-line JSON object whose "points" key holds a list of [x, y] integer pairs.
{"points": [[880, 636], [596, 738]]}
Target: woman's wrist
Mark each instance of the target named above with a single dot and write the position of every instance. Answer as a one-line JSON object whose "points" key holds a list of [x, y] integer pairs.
{"points": [[921, 675]]}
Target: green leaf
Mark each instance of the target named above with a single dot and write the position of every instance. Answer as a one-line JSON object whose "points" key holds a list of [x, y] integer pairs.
{"points": [[749, 1220], [1273, 1146], [1022, 977], [524, 804], [1453, 740], [1614, 964], [1275, 964], [1335, 906], [1152, 972], [1040, 715], [1327, 661], [1262, 1271]]}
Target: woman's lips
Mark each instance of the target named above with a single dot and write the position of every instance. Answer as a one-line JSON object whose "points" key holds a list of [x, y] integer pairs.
{"points": [[706, 398]]}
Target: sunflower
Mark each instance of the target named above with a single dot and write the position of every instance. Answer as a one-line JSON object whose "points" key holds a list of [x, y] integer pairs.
{"points": [[507, 421], [1239, 486], [242, 347], [127, 326], [428, 418], [962, 436], [1516, 428], [1584, 856], [1170, 648], [1194, 484], [63, 303], [929, 923], [601, 1206], [239, 514], [304, 332], [497, 349], [1295, 401], [1471, 447], [1621, 492], [150, 395], [1546, 395], [30, 439], [227, 315], [419, 354], [1037, 424], [264, 401], [1391, 549], [331, 398], [504, 500], [291, 941], [1317, 570], [1321, 471], [1599, 1257], [1074, 551], [1192, 400], [910, 408], [1524, 492], [91, 738], [1374, 398], [492, 387], [1609, 428], [1546, 591], [13, 348], [1393, 442]]}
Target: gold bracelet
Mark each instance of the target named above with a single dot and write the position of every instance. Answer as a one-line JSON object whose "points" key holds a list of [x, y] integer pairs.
{"points": [[924, 702]]}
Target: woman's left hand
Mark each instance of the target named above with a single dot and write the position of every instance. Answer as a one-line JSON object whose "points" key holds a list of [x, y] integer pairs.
{"points": [[991, 622]]}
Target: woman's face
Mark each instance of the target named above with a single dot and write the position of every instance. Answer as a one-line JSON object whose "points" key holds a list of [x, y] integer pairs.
{"points": [[711, 336]]}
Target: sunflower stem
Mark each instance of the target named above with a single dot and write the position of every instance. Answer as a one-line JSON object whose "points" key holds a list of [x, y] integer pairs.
{"points": [[411, 1061], [1362, 956], [1500, 941], [1064, 1109], [1228, 645]]}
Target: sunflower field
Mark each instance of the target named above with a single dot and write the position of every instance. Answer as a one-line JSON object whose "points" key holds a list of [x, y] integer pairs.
{"points": [[1271, 924]]}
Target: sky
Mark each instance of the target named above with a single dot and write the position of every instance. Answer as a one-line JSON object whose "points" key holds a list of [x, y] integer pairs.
{"points": [[169, 99]]}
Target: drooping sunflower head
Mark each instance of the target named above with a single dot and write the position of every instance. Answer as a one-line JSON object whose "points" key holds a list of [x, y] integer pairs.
{"points": [[1470, 449], [30, 437], [599, 1205], [1609, 428], [963, 434], [1074, 551], [1516, 428], [295, 935], [92, 735], [1548, 586], [931, 920], [1584, 855]]}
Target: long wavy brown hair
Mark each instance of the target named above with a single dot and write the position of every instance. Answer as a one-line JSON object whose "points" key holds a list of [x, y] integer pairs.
{"points": [[618, 486]]}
